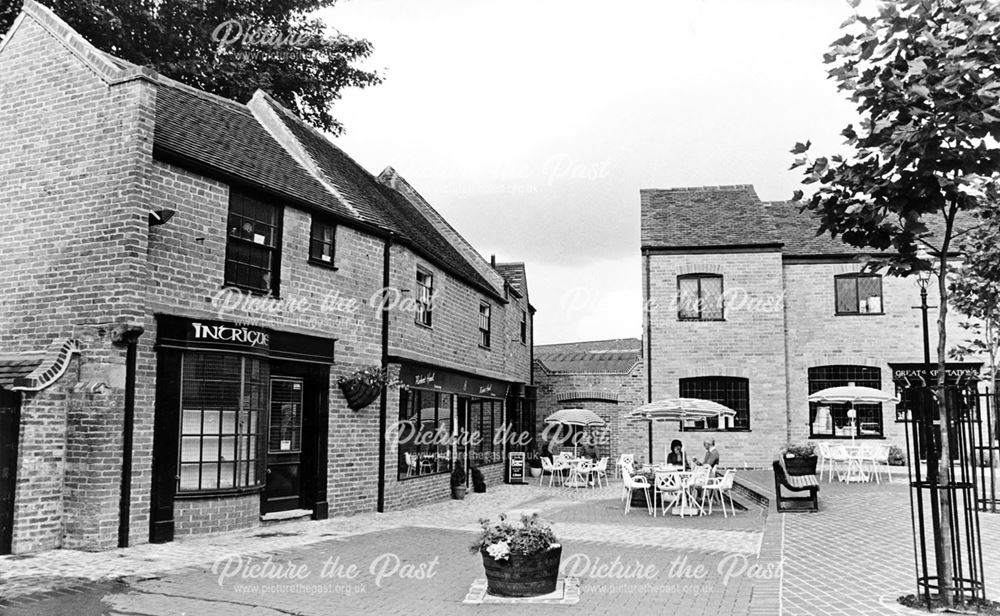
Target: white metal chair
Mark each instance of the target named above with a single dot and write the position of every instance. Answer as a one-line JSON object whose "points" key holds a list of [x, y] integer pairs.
{"points": [[625, 458], [411, 464], [669, 487], [719, 487], [554, 470], [839, 461], [601, 471], [632, 484], [879, 460]]}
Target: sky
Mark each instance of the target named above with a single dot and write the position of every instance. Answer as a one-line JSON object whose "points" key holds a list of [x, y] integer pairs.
{"points": [[531, 125]]}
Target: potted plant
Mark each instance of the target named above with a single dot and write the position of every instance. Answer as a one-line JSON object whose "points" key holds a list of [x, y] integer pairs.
{"points": [[478, 481], [520, 561], [535, 466], [896, 456], [362, 387], [458, 487], [799, 459]]}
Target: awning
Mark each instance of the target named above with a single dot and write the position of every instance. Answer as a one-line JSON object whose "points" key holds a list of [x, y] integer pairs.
{"points": [[18, 366]]}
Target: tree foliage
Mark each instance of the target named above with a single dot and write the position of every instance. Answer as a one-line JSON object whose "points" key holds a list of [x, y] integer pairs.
{"points": [[923, 75], [306, 71], [975, 290]]}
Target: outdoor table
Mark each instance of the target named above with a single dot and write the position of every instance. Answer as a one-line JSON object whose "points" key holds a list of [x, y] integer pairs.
{"points": [[855, 465], [639, 500], [575, 479], [685, 508]]}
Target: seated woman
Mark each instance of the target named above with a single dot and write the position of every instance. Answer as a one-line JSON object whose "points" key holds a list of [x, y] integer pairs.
{"points": [[676, 455]]}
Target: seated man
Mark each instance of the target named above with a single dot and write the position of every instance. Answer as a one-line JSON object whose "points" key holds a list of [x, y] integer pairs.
{"points": [[711, 454]]}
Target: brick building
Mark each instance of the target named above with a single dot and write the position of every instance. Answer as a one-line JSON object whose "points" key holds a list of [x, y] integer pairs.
{"points": [[187, 279], [604, 376], [745, 305]]}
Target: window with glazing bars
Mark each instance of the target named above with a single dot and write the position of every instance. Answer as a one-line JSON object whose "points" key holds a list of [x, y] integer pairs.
{"points": [[832, 420], [699, 297], [322, 241], [858, 294], [524, 327], [252, 246], [484, 324], [425, 433], [733, 392], [223, 403], [425, 293]]}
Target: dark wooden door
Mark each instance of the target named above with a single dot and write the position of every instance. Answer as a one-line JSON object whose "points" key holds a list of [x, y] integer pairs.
{"points": [[9, 425], [283, 488]]}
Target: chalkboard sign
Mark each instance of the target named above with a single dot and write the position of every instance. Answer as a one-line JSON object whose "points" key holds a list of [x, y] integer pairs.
{"points": [[515, 467]]}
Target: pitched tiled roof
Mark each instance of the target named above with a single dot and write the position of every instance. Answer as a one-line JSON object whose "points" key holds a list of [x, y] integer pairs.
{"points": [[18, 366], [514, 274], [798, 231], [225, 135], [616, 356], [704, 216]]}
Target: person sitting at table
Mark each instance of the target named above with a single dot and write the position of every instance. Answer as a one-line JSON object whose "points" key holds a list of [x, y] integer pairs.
{"points": [[589, 449], [676, 455], [711, 454]]}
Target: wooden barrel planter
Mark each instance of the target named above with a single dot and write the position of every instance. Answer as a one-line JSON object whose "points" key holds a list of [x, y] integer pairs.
{"points": [[522, 576], [359, 394]]}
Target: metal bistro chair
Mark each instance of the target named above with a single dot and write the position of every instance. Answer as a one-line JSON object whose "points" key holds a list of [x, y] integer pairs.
{"points": [[669, 487], [719, 487], [839, 462], [554, 470], [632, 484], [625, 458], [601, 472]]}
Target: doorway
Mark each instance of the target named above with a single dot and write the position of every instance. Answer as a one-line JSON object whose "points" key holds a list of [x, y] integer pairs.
{"points": [[10, 415]]}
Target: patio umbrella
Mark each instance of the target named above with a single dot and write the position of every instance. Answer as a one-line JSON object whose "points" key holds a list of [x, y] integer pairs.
{"points": [[852, 394], [678, 409], [575, 417]]}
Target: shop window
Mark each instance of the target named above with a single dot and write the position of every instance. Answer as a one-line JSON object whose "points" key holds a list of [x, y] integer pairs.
{"points": [[484, 325], [832, 420], [252, 248], [699, 297], [322, 240], [425, 434], [858, 294], [425, 292], [223, 402], [486, 418], [733, 392]]}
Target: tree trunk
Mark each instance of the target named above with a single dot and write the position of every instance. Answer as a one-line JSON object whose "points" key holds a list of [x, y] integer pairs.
{"points": [[942, 532]]}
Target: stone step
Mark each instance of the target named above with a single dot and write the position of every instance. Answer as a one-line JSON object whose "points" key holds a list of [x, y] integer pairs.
{"points": [[286, 516]]}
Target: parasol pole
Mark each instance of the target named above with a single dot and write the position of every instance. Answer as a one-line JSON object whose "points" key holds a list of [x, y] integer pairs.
{"points": [[650, 440]]}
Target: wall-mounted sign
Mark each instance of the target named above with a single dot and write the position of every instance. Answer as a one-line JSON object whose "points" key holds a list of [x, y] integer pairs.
{"points": [[451, 382], [923, 375]]}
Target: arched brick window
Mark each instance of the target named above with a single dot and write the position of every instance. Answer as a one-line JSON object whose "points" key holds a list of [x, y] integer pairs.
{"points": [[831, 420]]}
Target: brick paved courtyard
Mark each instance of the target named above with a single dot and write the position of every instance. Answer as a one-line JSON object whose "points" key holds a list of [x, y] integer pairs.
{"points": [[854, 557]]}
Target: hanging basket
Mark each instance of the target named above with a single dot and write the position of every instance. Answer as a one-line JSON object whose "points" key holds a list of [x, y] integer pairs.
{"points": [[359, 394], [522, 576]]}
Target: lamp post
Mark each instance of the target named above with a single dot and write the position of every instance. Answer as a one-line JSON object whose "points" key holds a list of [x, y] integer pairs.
{"points": [[923, 279]]}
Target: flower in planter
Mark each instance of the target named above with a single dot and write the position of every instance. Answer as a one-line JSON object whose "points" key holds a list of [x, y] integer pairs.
{"points": [[798, 451], [373, 376], [499, 550], [533, 536]]}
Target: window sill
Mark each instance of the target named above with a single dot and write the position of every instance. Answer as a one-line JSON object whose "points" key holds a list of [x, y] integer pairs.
{"points": [[716, 430], [324, 264], [691, 320], [485, 347], [866, 437], [251, 291], [859, 314], [424, 325], [218, 493], [424, 476]]}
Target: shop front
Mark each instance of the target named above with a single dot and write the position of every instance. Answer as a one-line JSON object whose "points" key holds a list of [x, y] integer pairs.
{"points": [[446, 417], [241, 426]]}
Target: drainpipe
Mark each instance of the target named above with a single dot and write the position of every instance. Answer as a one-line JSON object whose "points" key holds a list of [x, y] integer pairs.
{"points": [[127, 334], [380, 505], [649, 351]]}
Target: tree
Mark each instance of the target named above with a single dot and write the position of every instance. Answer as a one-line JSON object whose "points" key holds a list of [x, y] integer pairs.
{"points": [[923, 75], [227, 48], [975, 291]]}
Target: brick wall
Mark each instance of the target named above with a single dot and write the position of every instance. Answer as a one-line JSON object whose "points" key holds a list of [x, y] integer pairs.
{"points": [[74, 150], [749, 343], [212, 515]]}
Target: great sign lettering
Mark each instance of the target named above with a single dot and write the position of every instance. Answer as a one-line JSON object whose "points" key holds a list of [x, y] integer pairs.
{"points": [[227, 333]]}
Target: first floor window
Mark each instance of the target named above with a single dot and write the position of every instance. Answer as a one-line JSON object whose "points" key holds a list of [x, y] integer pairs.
{"points": [[252, 245], [834, 420], [223, 406], [425, 291], [733, 392], [322, 239], [426, 433], [858, 294], [524, 327], [484, 325], [699, 297]]}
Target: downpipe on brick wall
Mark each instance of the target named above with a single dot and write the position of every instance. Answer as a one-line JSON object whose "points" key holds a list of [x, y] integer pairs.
{"points": [[127, 334], [380, 505]]}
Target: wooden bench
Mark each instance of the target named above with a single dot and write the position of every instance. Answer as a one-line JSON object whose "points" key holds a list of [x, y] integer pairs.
{"points": [[795, 483]]}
